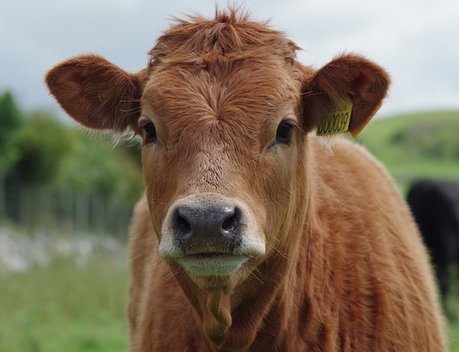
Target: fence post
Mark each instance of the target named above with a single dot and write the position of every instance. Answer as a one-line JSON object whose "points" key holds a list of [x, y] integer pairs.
{"points": [[2, 197]]}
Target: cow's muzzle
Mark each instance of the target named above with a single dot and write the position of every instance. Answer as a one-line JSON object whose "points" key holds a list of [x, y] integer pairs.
{"points": [[210, 235], [207, 229]]}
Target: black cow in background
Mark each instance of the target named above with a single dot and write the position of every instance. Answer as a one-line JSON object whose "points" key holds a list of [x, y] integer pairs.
{"points": [[435, 207]]}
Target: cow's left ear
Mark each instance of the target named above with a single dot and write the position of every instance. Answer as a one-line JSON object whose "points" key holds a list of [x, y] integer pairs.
{"points": [[349, 86], [97, 93]]}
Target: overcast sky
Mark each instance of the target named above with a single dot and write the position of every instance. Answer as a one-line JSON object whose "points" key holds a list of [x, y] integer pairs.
{"points": [[415, 40]]}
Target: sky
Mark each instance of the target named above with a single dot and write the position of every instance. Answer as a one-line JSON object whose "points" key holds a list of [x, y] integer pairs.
{"points": [[416, 41]]}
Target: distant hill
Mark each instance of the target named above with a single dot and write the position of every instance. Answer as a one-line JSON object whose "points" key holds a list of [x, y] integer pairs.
{"points": [[416, 145]]}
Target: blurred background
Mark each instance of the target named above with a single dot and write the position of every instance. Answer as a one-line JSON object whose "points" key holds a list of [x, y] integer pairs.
{"points": [[66, 195]]}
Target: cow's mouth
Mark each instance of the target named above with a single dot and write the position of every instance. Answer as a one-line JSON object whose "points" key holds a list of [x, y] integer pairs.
{"points": [[212, 264]]}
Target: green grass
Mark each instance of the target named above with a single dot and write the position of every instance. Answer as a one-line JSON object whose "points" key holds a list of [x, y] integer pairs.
{"points": [[416, 145], [66, 307], [453, 307]]}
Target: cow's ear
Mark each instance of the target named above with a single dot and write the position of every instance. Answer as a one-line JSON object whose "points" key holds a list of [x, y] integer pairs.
{"points": [[97, 93], [343, 95]]}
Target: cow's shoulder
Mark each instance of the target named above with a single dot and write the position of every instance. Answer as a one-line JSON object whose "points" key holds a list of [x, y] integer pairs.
{"points": [[349, 169], [143, 243], [141, 229], [353, 193]]}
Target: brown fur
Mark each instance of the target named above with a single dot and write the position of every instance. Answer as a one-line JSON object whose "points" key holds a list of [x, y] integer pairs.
{"points": [[344, 268]]}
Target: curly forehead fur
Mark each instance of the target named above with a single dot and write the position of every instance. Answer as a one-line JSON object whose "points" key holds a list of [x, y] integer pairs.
{"points": [[230, 36], [227, 69]]}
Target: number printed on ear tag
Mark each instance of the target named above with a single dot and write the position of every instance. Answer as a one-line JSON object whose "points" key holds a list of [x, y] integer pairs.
{"points": [[337, 121]]}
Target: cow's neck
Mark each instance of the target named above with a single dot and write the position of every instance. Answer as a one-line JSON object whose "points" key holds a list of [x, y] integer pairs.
{"points": [[232, 322]]}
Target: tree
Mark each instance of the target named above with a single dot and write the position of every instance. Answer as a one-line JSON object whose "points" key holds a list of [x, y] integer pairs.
{"points": [[96, 167], [42, 144], [10, 123]]}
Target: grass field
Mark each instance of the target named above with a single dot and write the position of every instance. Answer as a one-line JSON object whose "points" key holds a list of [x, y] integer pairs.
{"points": [[66, 307], [416, 145], [453, 326], [73, 308]]}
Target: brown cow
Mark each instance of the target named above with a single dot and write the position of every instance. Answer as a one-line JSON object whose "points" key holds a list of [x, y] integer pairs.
{"points": [[253, 235]]}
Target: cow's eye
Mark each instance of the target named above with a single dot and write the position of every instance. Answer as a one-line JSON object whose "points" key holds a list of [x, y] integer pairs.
{"points": [[284, 131], [149, 132]]}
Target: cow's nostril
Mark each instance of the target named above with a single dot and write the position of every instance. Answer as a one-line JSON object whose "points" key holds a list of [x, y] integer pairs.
{"points": [[182, 226], [207, 229], [231, 224]]}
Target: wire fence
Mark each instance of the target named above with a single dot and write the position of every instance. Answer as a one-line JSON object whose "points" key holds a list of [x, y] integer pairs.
{"points": [[62, 209]]}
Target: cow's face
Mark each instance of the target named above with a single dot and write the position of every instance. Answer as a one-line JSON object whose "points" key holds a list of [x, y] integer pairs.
{"points": [[221, 151], [223, 111]]}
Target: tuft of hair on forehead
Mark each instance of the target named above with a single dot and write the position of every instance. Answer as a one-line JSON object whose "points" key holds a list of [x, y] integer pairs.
{"points": [[230, 36]]}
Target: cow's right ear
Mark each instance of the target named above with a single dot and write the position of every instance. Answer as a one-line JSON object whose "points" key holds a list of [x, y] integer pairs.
{"points": [[97, 93], [343, 95]]}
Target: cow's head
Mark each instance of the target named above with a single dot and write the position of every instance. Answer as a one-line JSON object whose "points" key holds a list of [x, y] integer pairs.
{"points": [[223, 110]]}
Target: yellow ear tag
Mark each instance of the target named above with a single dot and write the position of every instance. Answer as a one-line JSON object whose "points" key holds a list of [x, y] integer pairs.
{"points": [[336, 121]]}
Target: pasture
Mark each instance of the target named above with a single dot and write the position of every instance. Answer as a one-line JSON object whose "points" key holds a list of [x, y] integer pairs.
{"points": [[72, 308], [66, 306], [416, 145]]}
